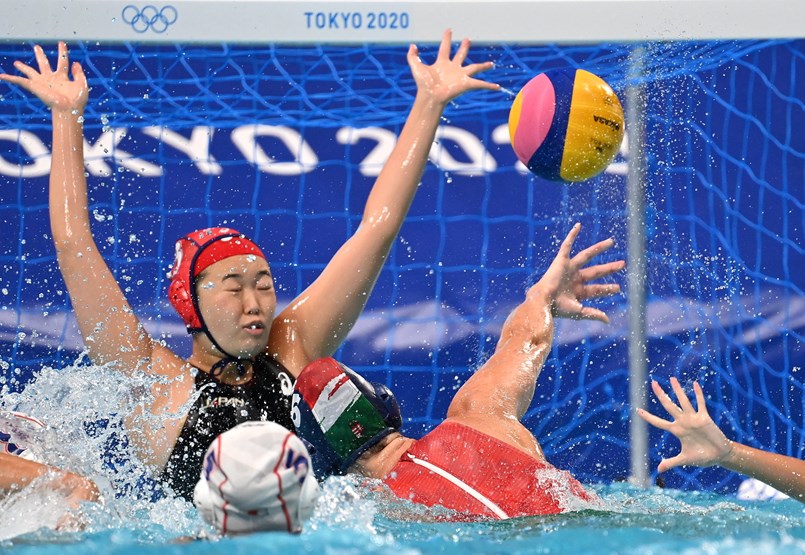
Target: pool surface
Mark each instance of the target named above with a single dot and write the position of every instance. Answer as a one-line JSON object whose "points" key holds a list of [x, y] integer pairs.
{"points": [[633, 521]]}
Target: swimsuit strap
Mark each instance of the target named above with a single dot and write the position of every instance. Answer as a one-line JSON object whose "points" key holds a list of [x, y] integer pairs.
{"points": [[488, 503]]}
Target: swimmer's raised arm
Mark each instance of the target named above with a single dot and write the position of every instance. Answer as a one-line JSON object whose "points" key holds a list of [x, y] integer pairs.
{"points": [[498, 395], [325, 312], [110, 330], [704, 444]]}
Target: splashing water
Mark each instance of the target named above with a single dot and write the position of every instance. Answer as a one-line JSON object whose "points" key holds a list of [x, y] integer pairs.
{"points": [[84, 408]]}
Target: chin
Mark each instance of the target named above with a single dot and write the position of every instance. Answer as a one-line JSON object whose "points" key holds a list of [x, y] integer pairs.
{"points": [[252, 351]]}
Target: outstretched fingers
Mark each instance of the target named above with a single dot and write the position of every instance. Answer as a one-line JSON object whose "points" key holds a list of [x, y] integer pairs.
{"points": [[447, 77], [14, 80], [26, 70], [42, 60], [665, 400], [700, 401], [655, 421], [78, 75], [586, 275], [62, 61], [673, 462], [598, 291], [474, 69], [481, 84], [590, 313], [681, 396], [461, 53], [601, 270], [445, 45], [413, 55], [568, 283], [32, 75], [583, 257], [567, 244], [57, 90]]}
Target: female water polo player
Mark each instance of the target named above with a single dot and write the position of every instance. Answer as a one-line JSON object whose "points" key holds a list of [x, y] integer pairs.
{"points": [[221, 283], [481, 460]]}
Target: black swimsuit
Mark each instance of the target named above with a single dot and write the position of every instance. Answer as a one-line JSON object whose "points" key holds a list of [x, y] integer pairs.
{"points": [[220, 407]]}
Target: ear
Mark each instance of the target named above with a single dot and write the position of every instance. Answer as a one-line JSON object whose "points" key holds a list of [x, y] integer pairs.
{"points": [[182, 300]]}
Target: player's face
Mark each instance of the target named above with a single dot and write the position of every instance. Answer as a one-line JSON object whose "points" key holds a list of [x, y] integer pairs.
{"points": [[237, 300], [372, 463]]}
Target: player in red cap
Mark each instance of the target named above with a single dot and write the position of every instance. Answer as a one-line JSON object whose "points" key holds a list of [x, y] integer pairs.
{"points": [[221, 282]]}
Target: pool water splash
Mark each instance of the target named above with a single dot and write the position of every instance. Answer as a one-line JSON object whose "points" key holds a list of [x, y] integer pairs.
{"points": [[85, 408]]}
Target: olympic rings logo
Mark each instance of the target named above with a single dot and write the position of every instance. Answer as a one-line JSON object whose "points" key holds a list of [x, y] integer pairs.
{"points": [[149, 17]]}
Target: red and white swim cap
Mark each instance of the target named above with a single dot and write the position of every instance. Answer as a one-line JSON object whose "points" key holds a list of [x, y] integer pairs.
{"points": [[341, 414], [195, 253]]}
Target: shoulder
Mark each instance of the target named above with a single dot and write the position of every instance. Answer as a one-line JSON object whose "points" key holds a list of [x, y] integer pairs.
{"points": [[165, 362], [285, 347], [179, 384]]}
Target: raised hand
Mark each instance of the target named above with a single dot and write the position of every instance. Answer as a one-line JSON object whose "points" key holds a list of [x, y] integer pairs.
{"points": [[447, 78], [54, 88], [703, 443], [567, 280]]}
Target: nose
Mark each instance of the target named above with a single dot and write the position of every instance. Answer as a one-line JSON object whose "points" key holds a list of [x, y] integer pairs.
{"points": [[250, 301]]}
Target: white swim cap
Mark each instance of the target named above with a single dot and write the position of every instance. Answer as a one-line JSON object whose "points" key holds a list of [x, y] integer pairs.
{"points": [[256, 476]]}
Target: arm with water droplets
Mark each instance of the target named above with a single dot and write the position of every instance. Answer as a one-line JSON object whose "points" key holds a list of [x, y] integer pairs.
{"points": [[497, 395], [318, 321], [110, 330], [17, 473]]}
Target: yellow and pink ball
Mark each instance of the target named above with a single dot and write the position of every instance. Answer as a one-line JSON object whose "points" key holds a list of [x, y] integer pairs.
{"points": [[566, 125]]}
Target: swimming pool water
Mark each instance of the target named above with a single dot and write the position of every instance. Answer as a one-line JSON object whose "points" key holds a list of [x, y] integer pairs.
{"points": [[349, 519], [632, 521]]}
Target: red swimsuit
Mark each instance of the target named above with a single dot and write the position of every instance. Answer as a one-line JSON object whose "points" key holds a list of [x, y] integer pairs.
{"points": [[463, 469]]}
